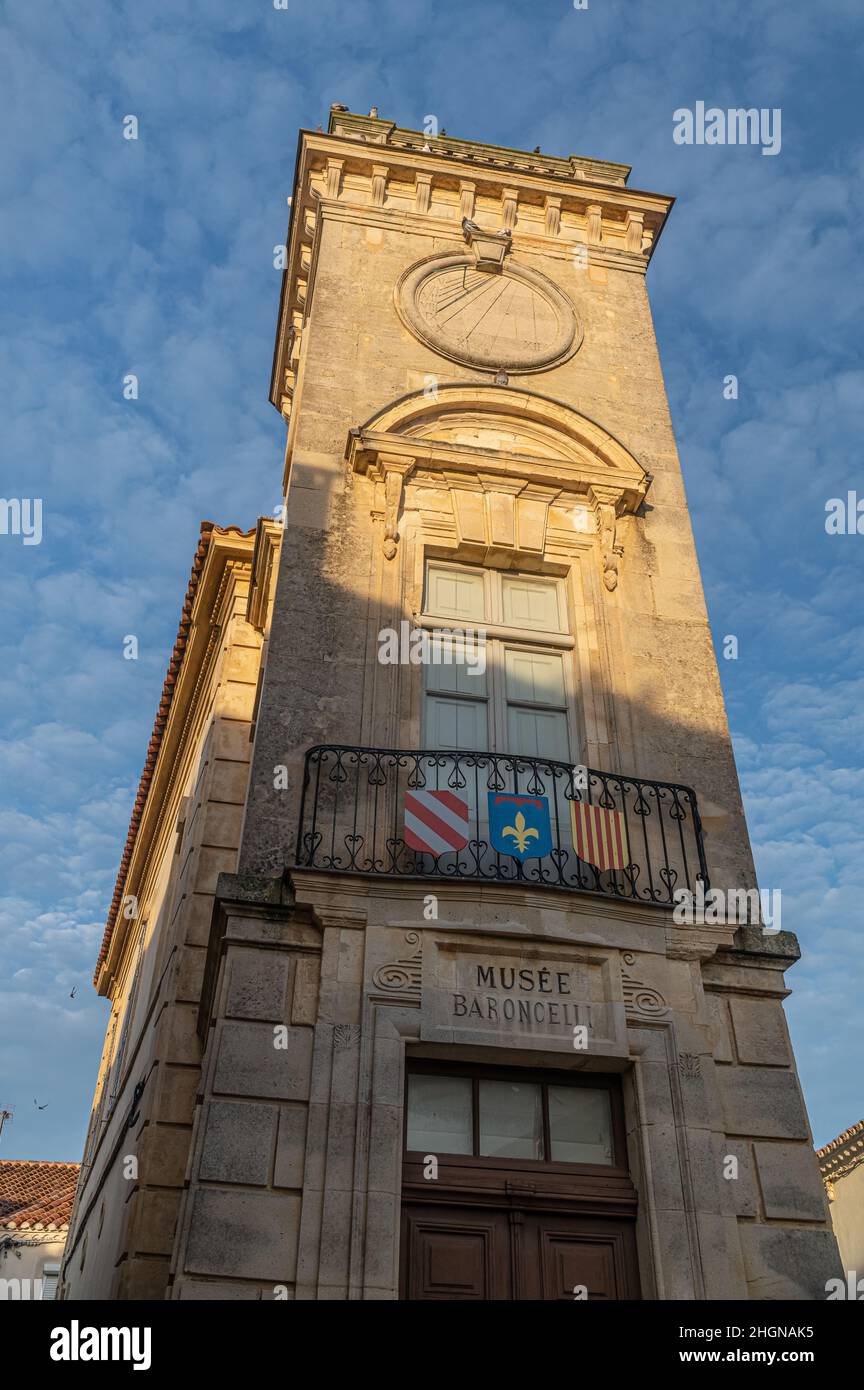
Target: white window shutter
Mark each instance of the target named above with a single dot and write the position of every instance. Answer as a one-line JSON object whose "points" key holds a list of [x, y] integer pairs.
{"points": [[456, 594], [532, 605]]}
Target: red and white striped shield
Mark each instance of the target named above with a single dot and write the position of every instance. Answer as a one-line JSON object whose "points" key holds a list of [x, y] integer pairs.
{"points": [[435, 822], [600, 836]]}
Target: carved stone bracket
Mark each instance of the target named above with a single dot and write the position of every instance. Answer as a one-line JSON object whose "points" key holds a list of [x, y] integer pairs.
{"points": [[392, 471], [607, 503]]}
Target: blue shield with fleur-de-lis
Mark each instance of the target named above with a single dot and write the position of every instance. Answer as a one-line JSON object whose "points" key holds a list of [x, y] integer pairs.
{"points": [[520, 825]]}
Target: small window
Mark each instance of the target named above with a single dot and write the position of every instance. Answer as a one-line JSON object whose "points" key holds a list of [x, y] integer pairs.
{"points": [[50, 1277]]}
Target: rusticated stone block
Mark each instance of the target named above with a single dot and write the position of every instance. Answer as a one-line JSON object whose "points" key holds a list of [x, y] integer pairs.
{"points": [[143, 1280], [760, 1031], [162, 1154], [257, 985], [784, 1262], [238, 1143], [762, 1103], [250, 1065], [247, 1235], [154, 1221], [791, 1183], [174, 1102]]}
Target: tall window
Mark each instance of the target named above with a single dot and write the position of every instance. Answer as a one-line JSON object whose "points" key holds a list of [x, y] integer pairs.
{"points": [[519, 704]]}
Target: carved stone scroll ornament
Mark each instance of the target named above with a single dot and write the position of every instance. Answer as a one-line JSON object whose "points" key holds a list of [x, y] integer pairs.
{"points": [[640, 999], [402, 976]]}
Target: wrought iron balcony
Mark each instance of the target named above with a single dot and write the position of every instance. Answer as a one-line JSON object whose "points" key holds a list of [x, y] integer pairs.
{"points": [[500, 818]]}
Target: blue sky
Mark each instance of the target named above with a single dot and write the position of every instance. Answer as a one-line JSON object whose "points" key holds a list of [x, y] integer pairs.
{"points": [[155, 257]]}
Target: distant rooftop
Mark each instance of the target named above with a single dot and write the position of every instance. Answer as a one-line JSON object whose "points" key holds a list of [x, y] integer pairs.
{"points": [[36, 1195], [375, 130]]}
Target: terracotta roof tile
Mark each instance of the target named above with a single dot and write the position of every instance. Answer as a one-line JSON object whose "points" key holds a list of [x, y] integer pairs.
{"points": [[174, 665], [34, 1194]]}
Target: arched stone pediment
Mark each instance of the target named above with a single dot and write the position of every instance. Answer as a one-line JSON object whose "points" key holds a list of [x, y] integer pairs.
{"points": [[507, 420], [506, 455]]}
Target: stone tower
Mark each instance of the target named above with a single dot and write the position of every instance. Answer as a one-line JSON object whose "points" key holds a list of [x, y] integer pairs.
{"points": [[457, 1040]]}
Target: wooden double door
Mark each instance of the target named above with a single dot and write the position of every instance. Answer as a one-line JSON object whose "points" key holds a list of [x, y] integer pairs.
{"points": [[496, 1205], [483, 1254]]}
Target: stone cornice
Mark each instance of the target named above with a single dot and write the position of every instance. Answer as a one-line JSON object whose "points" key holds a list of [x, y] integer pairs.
{"points": [[352, 174], [369, 451], [225, 562], [375, 130]]}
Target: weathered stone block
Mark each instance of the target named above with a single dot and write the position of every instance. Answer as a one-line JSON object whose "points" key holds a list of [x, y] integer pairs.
{"points": [[760, 1031], [198, 914], [229, 781], [162, 1154], [175, 1094], [247, 1235], [238, 1143], [791, 1183], [784, 1262], [231, 738], [257, 985], [143, 1280], [154, 1221], [762, 1103], [249, 1065], [221, 825]]}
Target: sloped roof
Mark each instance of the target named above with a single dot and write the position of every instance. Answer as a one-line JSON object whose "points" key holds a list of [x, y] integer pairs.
{"points": [[207, 530], [36, 1195], [843, 1154]]}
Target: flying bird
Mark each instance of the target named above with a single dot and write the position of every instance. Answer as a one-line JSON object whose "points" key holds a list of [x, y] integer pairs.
{"points": [[38, 1106], [72, 995]]}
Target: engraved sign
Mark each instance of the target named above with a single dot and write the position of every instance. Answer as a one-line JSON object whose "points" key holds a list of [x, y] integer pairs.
{"points": [[531, 999]]}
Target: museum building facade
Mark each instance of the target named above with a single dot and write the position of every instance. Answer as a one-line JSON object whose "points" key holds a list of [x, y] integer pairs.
{"points": [[403, 1004]]}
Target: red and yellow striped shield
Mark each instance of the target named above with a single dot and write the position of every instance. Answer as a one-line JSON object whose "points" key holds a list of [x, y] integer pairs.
{"points": [[600, 836]]}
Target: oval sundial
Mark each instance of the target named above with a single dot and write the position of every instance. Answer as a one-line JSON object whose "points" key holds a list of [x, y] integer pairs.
{"points": [[513, 318]]}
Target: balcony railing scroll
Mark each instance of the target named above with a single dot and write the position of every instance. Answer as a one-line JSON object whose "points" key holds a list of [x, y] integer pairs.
{"points": [[500, 818]]}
